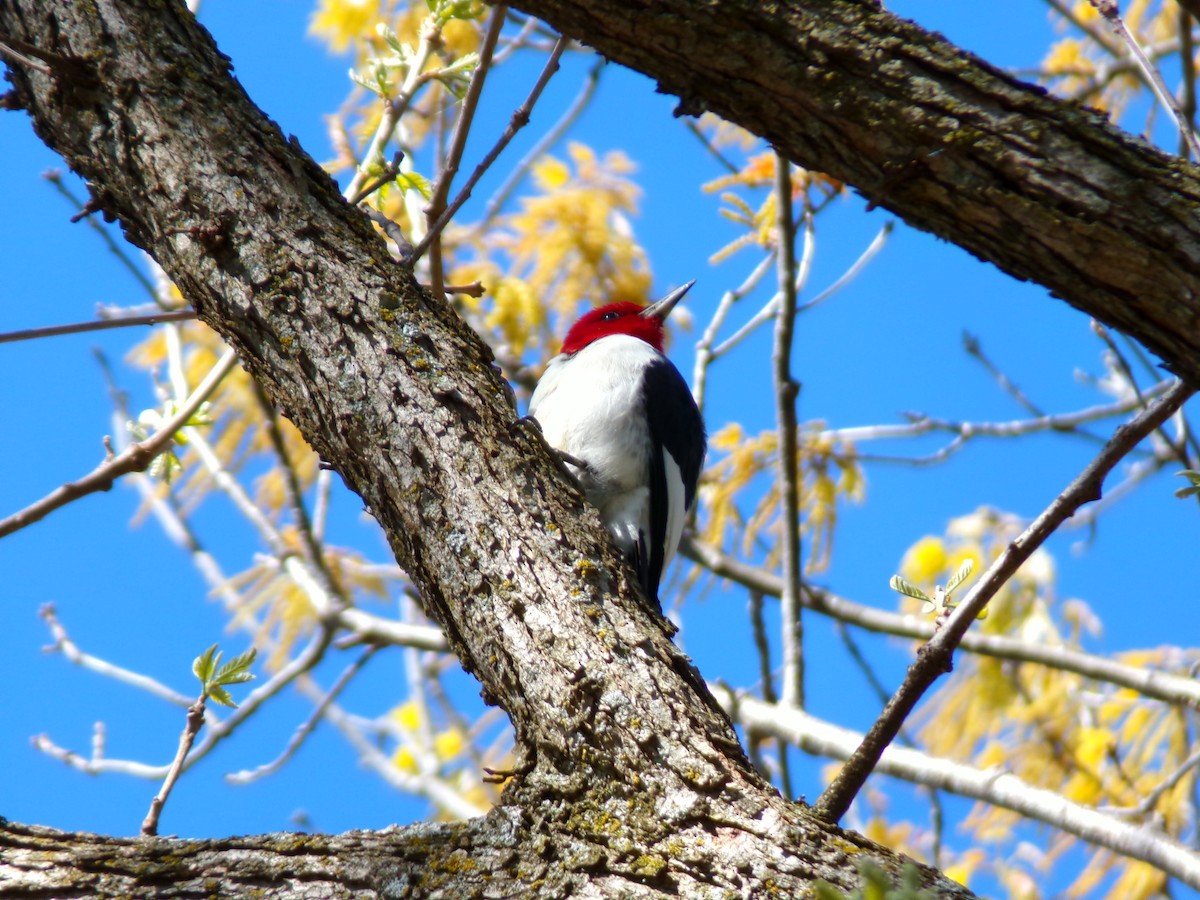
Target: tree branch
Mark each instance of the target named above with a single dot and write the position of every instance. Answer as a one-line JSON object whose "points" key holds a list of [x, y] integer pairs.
{"points": [[993, 786], [935, 658], [136, 458], [1047, 190]]}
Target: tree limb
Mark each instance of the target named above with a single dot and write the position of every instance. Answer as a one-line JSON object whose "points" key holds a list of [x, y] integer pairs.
{"points": [[1048, 190], [630, 780]]}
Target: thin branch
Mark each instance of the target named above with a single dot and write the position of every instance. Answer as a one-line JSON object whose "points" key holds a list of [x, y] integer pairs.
{"points": [[545, 142], [975, 350], [1097, 34], [30, 334], [11, 53], [295, 495], [1108, 9], [768, 310], [725, 162], [246, 776], [441, 190], [786, 390], [369, 754], [68, 648], [935, 657], [993, 786], [117, 249], [394, 109], [1187, 61], [936, 813], [705, 355], [1126, 372], [877, 244], [391, 169], [966, 431], [195, 719], [1151, 799], [519, 120], [392, 230], [135, 459], [519, 41], [1173, 689]]}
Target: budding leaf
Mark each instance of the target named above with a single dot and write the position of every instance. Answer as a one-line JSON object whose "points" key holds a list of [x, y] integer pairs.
{"points": [[960, 576], [214, 676], [901, 586]]}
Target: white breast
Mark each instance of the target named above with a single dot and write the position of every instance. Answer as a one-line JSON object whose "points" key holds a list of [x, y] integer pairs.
{"points": [[590, 406]]}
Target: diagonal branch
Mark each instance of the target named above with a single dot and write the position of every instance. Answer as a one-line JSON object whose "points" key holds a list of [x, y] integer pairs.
{"points": [[935, 657], [136, 458]]}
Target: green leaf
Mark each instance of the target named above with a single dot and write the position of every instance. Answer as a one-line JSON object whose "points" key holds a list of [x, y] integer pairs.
{"points": [[214, 676], [960, 576], [220, 695], [367, 84], [234, 671], [1191, 490], [203, 664], [415, 182], [901, 586]]}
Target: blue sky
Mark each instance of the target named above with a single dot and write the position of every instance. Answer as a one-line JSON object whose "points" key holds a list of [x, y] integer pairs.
{"points": [[889, 343]]}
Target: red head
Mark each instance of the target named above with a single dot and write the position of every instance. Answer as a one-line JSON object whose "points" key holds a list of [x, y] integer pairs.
{"points": [[642, 322]]}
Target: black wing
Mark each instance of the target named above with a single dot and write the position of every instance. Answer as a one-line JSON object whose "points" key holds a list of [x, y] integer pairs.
{"points": [[676, 427]]}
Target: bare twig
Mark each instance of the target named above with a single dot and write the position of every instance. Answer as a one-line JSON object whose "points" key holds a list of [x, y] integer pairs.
{"points": [[425, 784], [1187, 61], [119, 250], [519, 120], [868, 671], [30, 334], [786, 390], [1108, 9], [877, 244], [307, 727], [441, 190], [69, 649], [474, 289], [726, 163], [295, 496], [1126, 371], [935, 657], [975, 350], [135, 459], [195, 719], [1151, 799], [10, 52], [393, 231], [967, 431], [705, 355], [545, 142], [768, 310]]}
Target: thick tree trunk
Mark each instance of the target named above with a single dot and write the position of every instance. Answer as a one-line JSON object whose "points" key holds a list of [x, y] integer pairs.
{"points": [[631, 780], [1047, 190]]}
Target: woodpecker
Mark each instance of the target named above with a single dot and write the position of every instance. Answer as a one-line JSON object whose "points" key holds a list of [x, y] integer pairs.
{"points": [[628, 428]]}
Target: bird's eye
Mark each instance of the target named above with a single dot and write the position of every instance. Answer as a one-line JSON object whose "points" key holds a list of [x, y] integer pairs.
{"points": [[610, 316]]}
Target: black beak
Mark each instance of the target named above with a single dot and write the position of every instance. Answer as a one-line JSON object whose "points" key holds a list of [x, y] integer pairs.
{"points": [[663, 307]]}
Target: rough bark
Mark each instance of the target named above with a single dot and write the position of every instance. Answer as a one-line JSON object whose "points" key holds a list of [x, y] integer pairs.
{"points": [[631, 780], [1047, 190]]}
